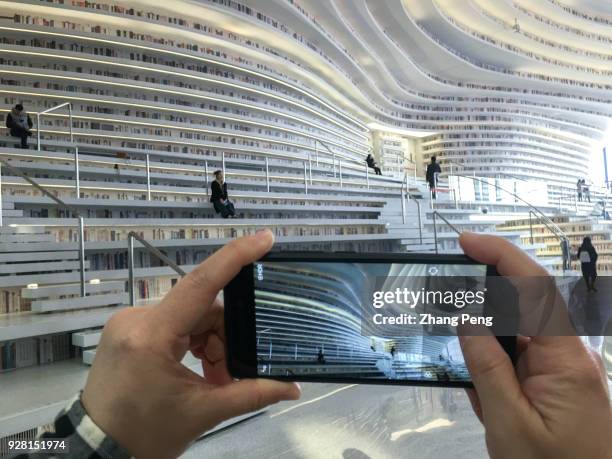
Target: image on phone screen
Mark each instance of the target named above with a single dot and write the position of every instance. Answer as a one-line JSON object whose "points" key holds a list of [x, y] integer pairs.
{"points": [[309, 322]]}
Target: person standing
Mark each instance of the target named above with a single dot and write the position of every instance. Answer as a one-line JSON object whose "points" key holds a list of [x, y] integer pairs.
{"points": [[433, 168], [219, 197], [372, 164], [20, 124], [586, 190], [588, 263], [579, 189]]}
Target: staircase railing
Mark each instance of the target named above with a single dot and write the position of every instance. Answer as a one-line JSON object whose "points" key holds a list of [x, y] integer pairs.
{"points": [[437, 215], [533, 210], [74, 210], [49, 110], [151, 249]]}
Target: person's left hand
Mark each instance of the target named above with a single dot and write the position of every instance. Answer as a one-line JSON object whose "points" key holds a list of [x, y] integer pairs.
{"points": [[140, 393]]}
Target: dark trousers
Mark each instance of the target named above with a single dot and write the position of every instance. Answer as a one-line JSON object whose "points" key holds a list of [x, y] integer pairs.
{"points": [[432, 189], [23, 134], [225, 209], [589, 272], [377, 170]]}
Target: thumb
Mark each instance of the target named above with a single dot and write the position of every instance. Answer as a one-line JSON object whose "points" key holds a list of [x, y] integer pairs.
{"points": [[244, 396], [493, 375]]}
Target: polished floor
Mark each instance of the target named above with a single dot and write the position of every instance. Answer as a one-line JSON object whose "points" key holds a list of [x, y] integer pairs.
{"points": [[355, 422]]}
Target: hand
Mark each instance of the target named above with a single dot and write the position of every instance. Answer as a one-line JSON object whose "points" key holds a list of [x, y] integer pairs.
{"points": [[556, 402], [140, 394]]}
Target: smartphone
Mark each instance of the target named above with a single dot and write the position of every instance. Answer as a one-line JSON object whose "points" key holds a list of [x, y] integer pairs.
{"points": [[304, 317]]}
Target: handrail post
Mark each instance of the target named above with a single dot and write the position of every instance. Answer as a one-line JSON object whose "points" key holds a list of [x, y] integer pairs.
{"points": [[435, 232], [267, 175], [305, 179], [367, 176], [38, 131], [82, 254], [223, 163], [576, 203], [310, 168], [403, 204], [131, 289], [206, 176], [334, 163], [148, 178], [316, 154], [420, 221], [77, 179], [0, 195], [70, 122], [340, 172], [530, 228]]}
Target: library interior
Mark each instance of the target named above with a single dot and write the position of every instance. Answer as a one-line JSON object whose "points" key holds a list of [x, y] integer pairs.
{"points": [[139, 137]]}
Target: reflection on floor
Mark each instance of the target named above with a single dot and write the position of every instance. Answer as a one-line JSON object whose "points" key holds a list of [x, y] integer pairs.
{"points": [[355, 422]]}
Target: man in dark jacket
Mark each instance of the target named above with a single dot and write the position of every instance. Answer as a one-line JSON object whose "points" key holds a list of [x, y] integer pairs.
{"points": [[372, 164], [219, 198], [433, 168], [20, 124]]}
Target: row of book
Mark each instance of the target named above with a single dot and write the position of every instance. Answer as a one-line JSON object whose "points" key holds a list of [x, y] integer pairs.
{"points": [[215, 232], [12, 302], [40, 350], [155, 288]]}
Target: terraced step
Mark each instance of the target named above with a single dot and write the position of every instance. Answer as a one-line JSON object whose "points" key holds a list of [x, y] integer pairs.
{"points": [[55, 266], [15, 326], [79, 303], [12, 213], [88, 356], [26, 237], [22, 230], [87, 338], [71, 289], [39, 256]]}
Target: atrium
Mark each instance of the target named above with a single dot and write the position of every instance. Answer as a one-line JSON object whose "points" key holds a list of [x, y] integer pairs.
{"points": [[108, 197]]}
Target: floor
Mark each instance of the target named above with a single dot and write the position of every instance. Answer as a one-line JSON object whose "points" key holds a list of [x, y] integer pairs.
{"points": [[355, 422]]}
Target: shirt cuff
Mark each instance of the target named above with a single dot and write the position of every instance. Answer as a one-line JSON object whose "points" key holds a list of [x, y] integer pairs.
{"points": [[84, 437]]}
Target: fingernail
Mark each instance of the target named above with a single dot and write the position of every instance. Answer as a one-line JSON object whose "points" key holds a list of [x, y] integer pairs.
{"points": [[264, 234]]}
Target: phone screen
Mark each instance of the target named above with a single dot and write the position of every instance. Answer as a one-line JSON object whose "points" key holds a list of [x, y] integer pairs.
{"points": [[309, 322]]}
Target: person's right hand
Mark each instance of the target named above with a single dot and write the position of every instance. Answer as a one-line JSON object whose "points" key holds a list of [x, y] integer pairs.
{"points": [[555, 403]]}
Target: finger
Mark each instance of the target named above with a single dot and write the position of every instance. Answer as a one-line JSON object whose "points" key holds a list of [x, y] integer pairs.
{"points": [[475, 402], [492, 374], [522, 342], [188, 302], [512, 261], [246, 396], [214, 362], [494, 250]]}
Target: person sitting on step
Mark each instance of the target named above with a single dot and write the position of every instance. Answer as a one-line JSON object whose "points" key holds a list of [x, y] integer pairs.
{"points": [[219, 197]]}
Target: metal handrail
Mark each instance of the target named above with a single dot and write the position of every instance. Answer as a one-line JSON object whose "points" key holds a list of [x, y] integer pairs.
{"points": [[558, 231], [550, 224], [437, 214], [49, 110], [419, 217], [61, 203], [333, 153], [151, 249]]}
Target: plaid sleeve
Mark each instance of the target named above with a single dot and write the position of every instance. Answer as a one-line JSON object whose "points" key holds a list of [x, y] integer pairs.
{"points": [[84, 439]]}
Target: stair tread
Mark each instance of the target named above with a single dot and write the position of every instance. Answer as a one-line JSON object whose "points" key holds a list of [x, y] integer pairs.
{"points": [[79, 303], [67, 289]]}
